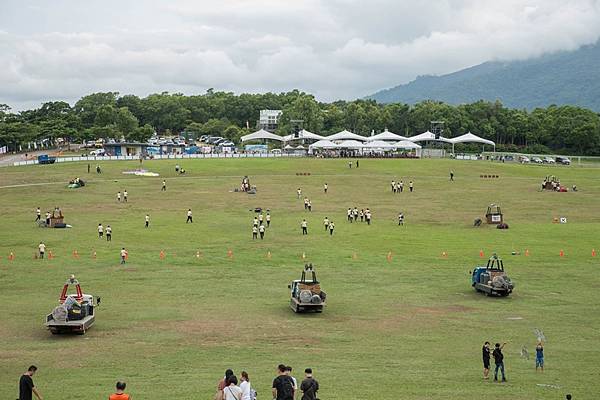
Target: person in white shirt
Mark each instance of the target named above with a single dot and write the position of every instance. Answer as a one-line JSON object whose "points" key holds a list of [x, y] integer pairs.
{"points": [[42, 249], [331, 228], [246, 387], [261, 230], [260, 218], [232, 391], [38, 214], [325, 187], [108, 233], [401, 185], [147, 220], [350, 214], [125, 196], [304, 226], [119, 196], [164, 186], [189, 216], [254, 232], [268, 219], [326, 223], [410, 186], [123, 255], [255, 222], [299, 193], [100, 231]]}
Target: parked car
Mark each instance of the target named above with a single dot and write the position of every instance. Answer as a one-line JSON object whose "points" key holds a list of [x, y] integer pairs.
{"points": [[563, 160], [99, 152], [549, 160], [524, 159], [536, 160]]}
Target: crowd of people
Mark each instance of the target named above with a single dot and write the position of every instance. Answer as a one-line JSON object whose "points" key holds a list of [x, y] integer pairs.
{"points": [[398, 186], [354, 214]]}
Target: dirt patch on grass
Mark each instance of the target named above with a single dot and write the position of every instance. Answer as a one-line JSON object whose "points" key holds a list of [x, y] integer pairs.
{"points": [[416, 317]]}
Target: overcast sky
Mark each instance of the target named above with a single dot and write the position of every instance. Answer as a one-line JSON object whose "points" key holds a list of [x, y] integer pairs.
{"points": [[336, 49]]}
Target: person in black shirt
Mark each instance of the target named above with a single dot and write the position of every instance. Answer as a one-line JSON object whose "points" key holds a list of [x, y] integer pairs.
{"points": [[26, 386], [283, 385], [486, 360], [309, 386], [499, 361]]}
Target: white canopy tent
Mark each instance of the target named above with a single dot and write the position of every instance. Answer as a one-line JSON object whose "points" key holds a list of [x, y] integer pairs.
{"points": [[379, 144], [261, 135], [303, 135], [386, 135], [323, 144], [470, 138], [428, 137], [407, 144], [346, 135], [350, 144]]}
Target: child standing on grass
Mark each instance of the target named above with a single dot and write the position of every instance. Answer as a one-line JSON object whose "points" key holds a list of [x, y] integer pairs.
{"points": [[189, 216], [42, 249], [539, 356]]}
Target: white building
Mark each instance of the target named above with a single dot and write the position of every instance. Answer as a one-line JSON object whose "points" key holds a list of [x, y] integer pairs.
{"points": [[268, 119]]}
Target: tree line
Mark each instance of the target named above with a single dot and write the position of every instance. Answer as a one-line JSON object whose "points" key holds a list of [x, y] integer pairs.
{"points": [[555, 129]]}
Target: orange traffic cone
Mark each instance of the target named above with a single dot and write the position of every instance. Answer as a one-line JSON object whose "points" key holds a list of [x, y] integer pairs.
{"points": [[481, 254], [162, 255], [11, 256], [444, 254], [593, 252], [389, 256], [230, 254], [562, 253], [75, 254], [526, 252], [50, 255]]}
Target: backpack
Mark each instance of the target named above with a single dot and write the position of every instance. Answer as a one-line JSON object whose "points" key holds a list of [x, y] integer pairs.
{"points": [[287, 389]]}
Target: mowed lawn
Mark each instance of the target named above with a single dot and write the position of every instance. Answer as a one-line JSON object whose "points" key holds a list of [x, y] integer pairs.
{"points": [[409, 328]]}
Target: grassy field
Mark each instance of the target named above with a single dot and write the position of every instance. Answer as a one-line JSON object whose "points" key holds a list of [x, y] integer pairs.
{"points": [[411, 328]]}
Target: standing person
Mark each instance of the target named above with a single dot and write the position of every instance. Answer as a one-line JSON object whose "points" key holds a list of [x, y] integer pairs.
{"points": [[283, 386], [147, 219], [401, 219], [452, 175], [123, 255], [309, 386], [485, 352], [539, 356], [368, 217], [299, 193], [42, 249], [326, 223], [26, 386], [410, 186], [306, 203], [309, 205], [47, 218], [254, 232], [38, 214], [261, 231], [189, 216], [232, 391], [88, 168], [331, 228], [98, 170], [356, 163], [355, 213], [108, 233], [325, 187], [247, 392], [100, 231], [499, 361], [119, 196], [361, 214], [393, 184], [260, 218], [164, 186], [268, 219], [120, 393], [222, 384], [350, 215], [304, 226], [350, 164], [401, 184], [255, 222], [125, 195], [288, 372]]}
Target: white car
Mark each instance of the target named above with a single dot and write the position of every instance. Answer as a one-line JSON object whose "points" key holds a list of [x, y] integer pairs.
{"points": [[99, 152], [524, 160], [549, 160], [537, 160]]}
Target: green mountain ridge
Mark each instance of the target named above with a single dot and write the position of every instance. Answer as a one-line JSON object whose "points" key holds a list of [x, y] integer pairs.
{"points": [[561, 78]]}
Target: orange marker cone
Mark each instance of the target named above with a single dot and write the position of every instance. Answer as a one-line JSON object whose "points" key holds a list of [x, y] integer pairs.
{"points": [[444, 254], [593, 252], [481, 254], [230, 254], [562, 253], [526, 252], [75, 254], [162, 255], [11, 256], [50, 255], [389, 256], [126, 255]]}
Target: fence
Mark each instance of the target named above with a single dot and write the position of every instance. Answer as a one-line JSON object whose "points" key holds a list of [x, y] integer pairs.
{"points": [[161, 157]]}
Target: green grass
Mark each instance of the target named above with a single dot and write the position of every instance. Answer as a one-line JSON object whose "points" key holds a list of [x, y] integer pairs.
{"points": [[411, 328]]}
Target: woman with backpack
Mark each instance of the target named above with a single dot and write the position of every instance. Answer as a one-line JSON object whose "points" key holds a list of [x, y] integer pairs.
{"points": [[247, 392]]}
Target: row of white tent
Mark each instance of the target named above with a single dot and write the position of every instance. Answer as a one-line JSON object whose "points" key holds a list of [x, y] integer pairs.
{"points": [[381, 139]]}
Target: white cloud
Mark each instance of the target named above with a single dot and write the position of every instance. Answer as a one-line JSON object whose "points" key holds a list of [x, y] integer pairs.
{"points": [[332, 48]]}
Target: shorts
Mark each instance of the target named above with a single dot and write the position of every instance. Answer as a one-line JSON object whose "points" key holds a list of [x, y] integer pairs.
{"points": [[486, 364], [539, 362]]}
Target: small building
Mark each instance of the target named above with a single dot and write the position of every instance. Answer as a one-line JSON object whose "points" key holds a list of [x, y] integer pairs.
{"points": [[268, 120], [137, 149]]}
